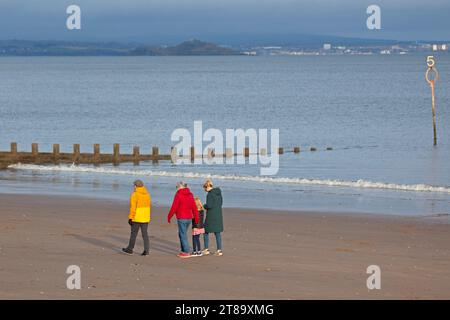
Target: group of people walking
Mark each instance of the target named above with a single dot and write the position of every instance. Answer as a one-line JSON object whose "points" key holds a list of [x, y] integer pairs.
{"points": [[205, 218]]}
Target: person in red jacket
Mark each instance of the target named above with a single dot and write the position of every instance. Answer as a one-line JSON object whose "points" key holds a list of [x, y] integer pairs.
{"points": [[185, 208]]}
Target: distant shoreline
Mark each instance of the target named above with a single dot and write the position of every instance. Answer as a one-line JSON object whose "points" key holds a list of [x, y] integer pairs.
{"points": [[196, 47]]}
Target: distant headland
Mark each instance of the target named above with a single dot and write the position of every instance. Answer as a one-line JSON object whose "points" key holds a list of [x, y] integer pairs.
{"points": [[192, 47]]}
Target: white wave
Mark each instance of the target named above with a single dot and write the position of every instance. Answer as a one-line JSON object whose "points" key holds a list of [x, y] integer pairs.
{"points": [[261, 179]]}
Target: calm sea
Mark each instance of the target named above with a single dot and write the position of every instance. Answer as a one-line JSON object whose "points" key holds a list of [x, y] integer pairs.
{"points": [[374, 111]]}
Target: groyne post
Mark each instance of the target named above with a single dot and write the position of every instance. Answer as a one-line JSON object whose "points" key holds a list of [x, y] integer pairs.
{"points": [[14, 149], [229, 153], [76, 153], [96, 157], [34, 149], [116, 153], [155, 154], [136, 155], [56, 153]]}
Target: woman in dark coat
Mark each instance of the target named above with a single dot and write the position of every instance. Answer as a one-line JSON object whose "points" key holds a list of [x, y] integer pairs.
{"points": [[214, 218]]}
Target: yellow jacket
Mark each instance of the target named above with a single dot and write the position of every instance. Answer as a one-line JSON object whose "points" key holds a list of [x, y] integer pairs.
{"points": [[140, 202]]}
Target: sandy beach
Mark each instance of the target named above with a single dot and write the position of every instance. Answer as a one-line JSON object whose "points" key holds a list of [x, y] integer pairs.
{"points": [[267, 254]]}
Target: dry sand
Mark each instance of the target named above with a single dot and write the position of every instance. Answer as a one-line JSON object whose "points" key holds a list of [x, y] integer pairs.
{"points": [[267, 254]]}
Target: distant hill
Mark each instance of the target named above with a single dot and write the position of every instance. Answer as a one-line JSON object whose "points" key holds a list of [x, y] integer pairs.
{"points": [[187, 48], [63, 48]]}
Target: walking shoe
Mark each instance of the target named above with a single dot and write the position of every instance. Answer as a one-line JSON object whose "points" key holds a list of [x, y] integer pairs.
{"points": [[206, 252], [145, 253], [184, 255], [127, 251], [218, 253], [199, 254]]}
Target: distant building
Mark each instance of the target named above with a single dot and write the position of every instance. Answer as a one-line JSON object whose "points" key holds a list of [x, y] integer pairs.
{"points": [[437, 47], [326, 46]]}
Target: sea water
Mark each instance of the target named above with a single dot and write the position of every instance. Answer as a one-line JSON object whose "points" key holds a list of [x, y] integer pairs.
{"points": [[373, 111]]}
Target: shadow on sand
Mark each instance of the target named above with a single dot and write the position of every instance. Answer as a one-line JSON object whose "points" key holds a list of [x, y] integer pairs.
{"points": [[156, 244]]}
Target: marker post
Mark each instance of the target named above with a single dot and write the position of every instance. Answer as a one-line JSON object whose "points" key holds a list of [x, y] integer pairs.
{"points": [[432, 71]]}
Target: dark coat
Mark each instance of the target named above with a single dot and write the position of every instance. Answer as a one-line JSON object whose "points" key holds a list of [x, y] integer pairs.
{"points": [[213, 206], [201, 220]]}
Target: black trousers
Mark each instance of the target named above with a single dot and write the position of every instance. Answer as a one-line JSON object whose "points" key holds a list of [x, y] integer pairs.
{"points": [[135, 226]]}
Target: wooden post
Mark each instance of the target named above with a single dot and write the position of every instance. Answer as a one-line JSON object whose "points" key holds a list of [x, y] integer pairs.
{"points": [[116, 154], [432, 82], [56, 152], [136, 154], [192, 153], [211, 153], [96, 153], [14, 149], [155, 154], [173, 154], [76, 153], [34, 149], [280, 150], [433, 109], [297, 150], [246, 152]]}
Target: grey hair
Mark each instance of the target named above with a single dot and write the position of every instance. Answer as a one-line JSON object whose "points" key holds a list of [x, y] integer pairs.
{"points": [[138, 183], [181, 184]]}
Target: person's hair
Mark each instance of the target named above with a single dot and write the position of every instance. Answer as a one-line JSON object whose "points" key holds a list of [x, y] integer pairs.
{"points": [[181, 184], [199, 203], [138, 183], [208, 184]]}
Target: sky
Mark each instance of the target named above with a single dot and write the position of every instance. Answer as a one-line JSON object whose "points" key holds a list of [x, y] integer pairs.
{"points": [[172, 21]]}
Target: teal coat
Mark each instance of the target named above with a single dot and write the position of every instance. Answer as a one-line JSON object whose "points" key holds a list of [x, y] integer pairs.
{"points": [[214, 219]]}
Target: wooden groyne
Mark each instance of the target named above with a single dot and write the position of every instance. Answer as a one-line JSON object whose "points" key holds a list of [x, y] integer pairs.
{"points": [[116, 157]]}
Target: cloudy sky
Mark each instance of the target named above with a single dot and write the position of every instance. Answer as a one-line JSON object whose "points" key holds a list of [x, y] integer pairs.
{"points": [[169, 21]]}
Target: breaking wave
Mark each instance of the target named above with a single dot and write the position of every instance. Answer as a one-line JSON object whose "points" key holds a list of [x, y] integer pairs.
{"points": [[259, 179]]}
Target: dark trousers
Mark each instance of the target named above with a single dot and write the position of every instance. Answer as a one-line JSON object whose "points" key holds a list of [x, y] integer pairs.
{"points": [[218, 240], [196, 243], [135, 226]]}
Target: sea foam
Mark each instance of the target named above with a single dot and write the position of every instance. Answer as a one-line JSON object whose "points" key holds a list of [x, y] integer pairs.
{"points": [[258, 179]]}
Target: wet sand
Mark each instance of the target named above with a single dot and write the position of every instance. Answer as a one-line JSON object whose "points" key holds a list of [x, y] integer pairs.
{"points": [[267, 254]]}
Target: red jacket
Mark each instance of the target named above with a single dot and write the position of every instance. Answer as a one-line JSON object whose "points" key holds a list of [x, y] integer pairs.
{"points": [[184, 206]]}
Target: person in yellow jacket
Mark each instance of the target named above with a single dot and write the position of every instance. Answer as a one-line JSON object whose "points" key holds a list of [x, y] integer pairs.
{"points": [[139, 217]]}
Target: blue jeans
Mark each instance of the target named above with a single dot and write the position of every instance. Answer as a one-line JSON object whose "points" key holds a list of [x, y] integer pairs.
{"points": [[183, 226], [218, 240], [196, 243]]}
